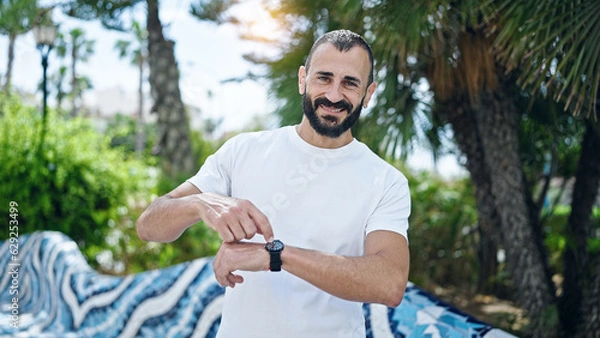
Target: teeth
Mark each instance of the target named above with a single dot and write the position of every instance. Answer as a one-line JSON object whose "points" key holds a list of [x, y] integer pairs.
{"points": [[332, 109]]}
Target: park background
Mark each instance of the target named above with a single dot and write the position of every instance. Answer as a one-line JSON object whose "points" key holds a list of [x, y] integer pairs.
{"points": [[503, 96]]}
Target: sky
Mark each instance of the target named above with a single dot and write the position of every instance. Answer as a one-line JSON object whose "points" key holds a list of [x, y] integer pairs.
{"points": [[207, 54]]}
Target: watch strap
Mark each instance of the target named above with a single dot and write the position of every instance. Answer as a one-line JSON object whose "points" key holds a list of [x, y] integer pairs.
{"points": [[275, 264]]}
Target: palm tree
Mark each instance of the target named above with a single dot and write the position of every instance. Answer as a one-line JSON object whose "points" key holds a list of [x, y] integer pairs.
{"points": [[81, 49], [472, 95], [556, 45], [16, 17], [174, 140], [138, 55], [56, 81], [174, 143]]}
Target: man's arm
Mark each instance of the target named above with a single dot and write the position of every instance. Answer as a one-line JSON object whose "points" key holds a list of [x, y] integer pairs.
{"points": [[380, 276], [168, 216]]}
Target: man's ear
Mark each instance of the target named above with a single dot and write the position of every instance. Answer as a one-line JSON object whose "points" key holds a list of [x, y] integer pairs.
{"points": [[301, 80], [370, 90]]}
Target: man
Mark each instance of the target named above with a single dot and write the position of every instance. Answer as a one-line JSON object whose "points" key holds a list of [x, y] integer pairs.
{"points": [[339, 211]]}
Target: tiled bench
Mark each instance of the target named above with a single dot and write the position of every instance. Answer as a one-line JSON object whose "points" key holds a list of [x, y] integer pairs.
{"points": [[59, 295]]}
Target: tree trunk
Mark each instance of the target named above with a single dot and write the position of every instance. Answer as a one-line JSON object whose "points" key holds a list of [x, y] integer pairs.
{"points": [[579, 230], [9, 64], [140, 137], [459, 114], [496, 123], [590, 309], [487, 135], [173, 145], [74, 84]]}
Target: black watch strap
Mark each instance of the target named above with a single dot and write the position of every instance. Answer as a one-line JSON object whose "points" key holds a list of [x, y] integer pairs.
{"points": [[275, 261]]}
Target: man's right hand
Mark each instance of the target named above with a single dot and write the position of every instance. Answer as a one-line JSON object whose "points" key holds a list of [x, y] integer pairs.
{"points": [[168, 216], [234, 219]]}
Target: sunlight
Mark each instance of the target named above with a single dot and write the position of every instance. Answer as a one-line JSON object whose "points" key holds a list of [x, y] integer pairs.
{"points": [[257, 23]]}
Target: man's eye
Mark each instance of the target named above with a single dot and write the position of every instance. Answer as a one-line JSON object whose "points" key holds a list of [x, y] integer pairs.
{"points": [[351, 84]]}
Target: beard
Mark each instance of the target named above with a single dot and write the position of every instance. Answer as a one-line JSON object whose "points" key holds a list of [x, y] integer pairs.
{"points": [[335, 128]]}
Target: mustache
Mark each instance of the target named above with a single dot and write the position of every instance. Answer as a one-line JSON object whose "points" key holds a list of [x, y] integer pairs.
{"points": [[340, 104]]}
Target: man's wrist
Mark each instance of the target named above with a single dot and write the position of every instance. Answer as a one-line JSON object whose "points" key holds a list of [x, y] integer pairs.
{"points": [[274, 249]]}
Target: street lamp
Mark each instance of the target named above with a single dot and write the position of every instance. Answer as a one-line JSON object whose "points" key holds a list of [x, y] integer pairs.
{"points": [[45, 35]]}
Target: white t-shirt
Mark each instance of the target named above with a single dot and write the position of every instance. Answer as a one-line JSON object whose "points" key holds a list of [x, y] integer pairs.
{"points": [[315, 198]]}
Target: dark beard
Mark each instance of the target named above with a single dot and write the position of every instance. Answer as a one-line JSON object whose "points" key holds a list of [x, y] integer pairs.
{"points": [[332, 131]]}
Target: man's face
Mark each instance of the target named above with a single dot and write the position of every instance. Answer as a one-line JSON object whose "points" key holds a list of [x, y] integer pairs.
{"points": [[334, 88]]}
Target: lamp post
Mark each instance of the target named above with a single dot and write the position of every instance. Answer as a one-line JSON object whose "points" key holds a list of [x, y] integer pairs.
{"points": [[44, 38]]}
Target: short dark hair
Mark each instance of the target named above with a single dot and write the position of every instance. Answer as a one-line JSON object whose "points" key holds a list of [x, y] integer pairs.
{"points": [[343, 40]]}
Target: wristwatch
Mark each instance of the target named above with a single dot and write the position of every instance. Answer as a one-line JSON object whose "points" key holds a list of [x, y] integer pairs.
{"points": [[275, 248]]}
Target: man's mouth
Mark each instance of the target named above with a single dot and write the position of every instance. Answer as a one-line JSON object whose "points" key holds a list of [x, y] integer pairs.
{"points": [[331, 110]]}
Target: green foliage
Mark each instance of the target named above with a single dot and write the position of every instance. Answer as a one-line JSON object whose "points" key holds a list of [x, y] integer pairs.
{"points": [[557, 239], [75, 183], [109, 12], [17, 16], [202, 147], [121, 131], [213, 10], [549, 139], [555, 44], [123, 252], [77, 48], [92, 188], [442, 232], [136, 49]]}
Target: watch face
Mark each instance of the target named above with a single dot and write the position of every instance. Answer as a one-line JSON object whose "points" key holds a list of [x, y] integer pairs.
{"points": [[276, 245]]}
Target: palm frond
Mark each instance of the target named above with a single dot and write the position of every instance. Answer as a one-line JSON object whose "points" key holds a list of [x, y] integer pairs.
{"points": [[555, 44]]}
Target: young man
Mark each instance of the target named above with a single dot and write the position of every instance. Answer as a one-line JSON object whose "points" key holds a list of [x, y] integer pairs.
{"points": [[340, 213]]}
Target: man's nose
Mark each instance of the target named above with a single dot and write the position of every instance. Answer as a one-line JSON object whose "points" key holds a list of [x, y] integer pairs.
{"points": [[334, 94]]}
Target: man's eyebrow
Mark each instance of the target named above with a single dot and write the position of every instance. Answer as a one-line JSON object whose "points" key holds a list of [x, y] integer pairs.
{"points": [[347, 77], [324, 73], [352, 78]]}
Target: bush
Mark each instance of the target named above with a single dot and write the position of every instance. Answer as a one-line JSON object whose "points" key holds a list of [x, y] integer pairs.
{"points": [[122, 132], [73, 183], [123, 251], [442, 232]]}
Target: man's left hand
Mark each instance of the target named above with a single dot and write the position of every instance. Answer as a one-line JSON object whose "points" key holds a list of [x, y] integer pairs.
{"points": [[239, 256]]}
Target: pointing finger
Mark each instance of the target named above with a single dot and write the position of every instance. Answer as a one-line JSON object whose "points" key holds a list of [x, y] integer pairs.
{"points": [[262, 224]]}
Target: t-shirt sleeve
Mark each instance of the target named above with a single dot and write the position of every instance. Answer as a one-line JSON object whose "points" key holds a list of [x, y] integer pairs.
{"points": [[215, 174], [392, 210]]}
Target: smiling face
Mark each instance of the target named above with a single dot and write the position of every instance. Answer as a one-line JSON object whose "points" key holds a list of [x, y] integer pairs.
{"points": [[335, 88]]}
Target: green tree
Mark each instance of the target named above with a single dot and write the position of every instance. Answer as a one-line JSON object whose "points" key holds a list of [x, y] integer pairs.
{"points": [[556, 45], [79, 49], [137, 51], [174, 145], [16, 17], [57, 82]]}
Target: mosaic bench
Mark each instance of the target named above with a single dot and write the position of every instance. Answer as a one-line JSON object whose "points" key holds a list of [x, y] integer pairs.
{"points": [[60, 295]]}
